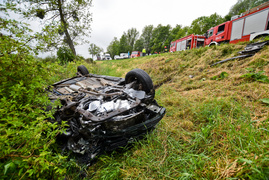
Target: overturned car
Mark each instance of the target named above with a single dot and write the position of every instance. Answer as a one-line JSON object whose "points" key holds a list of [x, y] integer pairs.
{"points": [[104, 113]]}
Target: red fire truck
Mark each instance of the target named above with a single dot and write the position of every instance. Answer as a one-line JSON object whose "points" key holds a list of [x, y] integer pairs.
{"points": [[187, 42], [245, 27], [249, 25]]}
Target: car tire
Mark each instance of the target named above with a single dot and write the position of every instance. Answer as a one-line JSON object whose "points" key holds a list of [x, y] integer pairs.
{"points": [[82, 70], [144, 82]]}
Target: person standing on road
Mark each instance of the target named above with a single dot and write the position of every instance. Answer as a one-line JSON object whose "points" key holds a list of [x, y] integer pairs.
{"points": [[165, 49], [144, 52]]}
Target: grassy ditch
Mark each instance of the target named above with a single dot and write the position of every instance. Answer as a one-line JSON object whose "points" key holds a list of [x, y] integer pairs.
{"points": [[216, 125]]}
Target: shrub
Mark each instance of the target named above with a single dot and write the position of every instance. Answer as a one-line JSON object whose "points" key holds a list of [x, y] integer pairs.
{"points": [[89, 60], [27, 139], [65, 55]]}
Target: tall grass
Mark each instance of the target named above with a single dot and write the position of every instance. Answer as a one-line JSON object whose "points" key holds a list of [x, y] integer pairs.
{"points": [[212, 129]]}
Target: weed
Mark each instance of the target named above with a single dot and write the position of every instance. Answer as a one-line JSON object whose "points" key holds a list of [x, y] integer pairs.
{"points": [[221, 76], [265, 100], [255, 76], [168, 60]]}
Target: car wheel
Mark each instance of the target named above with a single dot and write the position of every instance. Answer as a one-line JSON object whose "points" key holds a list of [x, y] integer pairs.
{"points": [[143, 81], [82, 70]]}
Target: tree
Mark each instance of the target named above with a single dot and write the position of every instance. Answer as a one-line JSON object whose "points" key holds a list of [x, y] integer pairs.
{"points": [[113, 48], [244, 5], [146, 36], [204, 23], [94, 50], [132, 35], [160, 38], [139, 45], [70, 18], [123, 44], [239, 7], [178, 32]]}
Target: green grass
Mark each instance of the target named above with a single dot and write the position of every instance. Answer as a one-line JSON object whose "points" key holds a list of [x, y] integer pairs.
{"points": [[216, 123], [212, 129]]}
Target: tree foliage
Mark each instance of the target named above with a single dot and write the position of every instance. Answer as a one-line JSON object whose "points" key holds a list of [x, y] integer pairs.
{"points": [[125, 44], [124, 47], [65, 55], [178, 32], [154, 39], [27, 139], [94, 50], [65, 21], [113, 48], [160, 38], [132, 35], [203, 23], [146, 36], [244, 5], [139, 45]]}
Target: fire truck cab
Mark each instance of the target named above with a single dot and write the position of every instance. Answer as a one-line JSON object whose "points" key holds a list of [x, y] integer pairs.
{"points": [[187, 42], [244, 27], [218, 34]]}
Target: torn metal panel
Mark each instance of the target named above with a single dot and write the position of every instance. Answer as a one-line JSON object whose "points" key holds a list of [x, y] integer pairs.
{"points": [[229, 59], [253, 47], [249, 51]]}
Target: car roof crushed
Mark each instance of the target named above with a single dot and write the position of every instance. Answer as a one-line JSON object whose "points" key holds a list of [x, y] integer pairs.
{"points": [[104, 113]]}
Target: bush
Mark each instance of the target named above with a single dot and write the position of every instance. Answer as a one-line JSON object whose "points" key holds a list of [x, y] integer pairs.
{"points": [[65, 55], [89, 60], [27, 139]]}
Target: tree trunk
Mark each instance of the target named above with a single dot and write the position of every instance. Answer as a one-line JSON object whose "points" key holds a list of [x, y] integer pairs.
{"points": [[68, 38], [70, 42]]}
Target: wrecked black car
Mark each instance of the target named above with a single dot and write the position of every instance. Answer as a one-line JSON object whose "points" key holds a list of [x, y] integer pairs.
{"points": [[104, 113]]}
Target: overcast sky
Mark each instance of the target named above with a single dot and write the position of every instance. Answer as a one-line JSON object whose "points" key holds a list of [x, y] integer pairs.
{"points": [[113, 17]]}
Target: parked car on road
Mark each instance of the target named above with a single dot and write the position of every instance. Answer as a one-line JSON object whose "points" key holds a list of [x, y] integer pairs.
{"points": [[124, 55], [135, 54], [117, 57]]}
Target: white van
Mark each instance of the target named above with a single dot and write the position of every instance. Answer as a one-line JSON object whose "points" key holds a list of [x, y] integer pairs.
{"points": [[107, 57]]}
